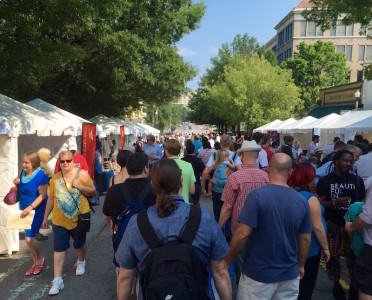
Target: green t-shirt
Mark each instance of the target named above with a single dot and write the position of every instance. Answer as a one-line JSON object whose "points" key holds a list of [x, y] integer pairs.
{"points": [[188, 176], [352, 214]]}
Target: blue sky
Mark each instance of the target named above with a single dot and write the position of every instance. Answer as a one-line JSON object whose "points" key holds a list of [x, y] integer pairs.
{"points": [[223, 20]]}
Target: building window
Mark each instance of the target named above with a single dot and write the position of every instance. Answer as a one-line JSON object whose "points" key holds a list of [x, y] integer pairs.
{"points": [[349, 53], [311, 29], [363, 30], [360, 76], [340, 29], [303, 28], [362, 50], [369, 53], [340, 48], [350, 30], [332, 31], [319, 31]]}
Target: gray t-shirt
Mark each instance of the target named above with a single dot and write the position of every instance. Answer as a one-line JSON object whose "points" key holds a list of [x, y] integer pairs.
{"points": [[209, 240]]}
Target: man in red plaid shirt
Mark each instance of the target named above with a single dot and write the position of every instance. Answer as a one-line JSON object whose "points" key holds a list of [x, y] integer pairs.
{"points": [[237, 187]]}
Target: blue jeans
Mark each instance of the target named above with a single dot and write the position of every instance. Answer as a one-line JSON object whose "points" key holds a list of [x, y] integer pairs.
{"points": [[217, 206]]}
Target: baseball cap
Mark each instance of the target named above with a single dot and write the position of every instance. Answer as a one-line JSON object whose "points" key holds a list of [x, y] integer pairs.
{"points": [[72, 146]]}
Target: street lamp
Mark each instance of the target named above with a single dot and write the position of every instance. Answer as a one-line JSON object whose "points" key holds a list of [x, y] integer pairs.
{"points": [[357, 99], [156, 119]]}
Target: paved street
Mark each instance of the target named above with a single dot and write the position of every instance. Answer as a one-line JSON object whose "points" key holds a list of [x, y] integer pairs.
{"points": [[99, 280]]}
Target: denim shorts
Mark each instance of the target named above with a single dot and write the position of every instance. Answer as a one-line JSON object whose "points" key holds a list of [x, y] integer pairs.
{"points": [[61, 238]]}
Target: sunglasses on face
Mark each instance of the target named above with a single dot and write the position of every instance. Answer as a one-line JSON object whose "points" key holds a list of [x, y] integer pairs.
{"points": [[62, 161]]}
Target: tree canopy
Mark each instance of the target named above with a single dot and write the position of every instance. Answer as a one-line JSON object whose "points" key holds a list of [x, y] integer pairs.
{"points": [[314, 67], [170, 114], [95, 56], [201, 104], [253, 91]]}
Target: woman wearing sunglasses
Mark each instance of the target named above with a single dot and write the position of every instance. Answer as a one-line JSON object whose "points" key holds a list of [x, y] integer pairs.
{"points": [[32, 192], [68, 194]]}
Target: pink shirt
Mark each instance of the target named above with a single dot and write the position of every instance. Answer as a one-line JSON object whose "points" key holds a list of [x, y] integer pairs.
{"points": [[237, 187]]}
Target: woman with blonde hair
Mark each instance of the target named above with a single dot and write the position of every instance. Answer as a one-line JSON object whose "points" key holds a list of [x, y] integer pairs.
{"points": [[32, 190], [68, 193]]}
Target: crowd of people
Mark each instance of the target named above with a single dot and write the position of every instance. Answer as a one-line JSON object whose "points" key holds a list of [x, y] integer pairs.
{"points": [[278, 211]]}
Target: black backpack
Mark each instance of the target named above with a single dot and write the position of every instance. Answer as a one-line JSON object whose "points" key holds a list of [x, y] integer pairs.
{"points": [[173, 270]]}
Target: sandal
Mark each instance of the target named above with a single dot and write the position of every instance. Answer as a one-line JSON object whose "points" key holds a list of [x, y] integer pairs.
{"points": [[30, 271], [39, 268]]}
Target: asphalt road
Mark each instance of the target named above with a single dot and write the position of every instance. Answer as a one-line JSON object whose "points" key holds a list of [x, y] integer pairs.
{"points": [[99, 281]]}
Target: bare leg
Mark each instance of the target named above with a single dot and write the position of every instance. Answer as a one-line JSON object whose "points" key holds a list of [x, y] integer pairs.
{"points": [[81, 252], [59, 261], [33, 246]]}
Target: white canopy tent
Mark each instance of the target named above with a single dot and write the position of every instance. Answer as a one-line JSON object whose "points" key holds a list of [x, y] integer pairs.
{"points": [[149, 129], [269, 126], [292, 126], [349, 124], [111, 125], [31, 130]]}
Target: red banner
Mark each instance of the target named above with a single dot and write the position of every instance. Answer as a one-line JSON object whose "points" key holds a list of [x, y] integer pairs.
{"points": [[88, 145], [122, 137]]}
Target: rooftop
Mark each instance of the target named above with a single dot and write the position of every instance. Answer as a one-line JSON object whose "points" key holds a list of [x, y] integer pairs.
{"points": [[304, 4]]}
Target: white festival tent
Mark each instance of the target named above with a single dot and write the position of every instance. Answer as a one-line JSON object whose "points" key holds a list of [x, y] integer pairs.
{"points": [[149, 129], [349, 124], [292, 126], [268, 127], [31, 130]]}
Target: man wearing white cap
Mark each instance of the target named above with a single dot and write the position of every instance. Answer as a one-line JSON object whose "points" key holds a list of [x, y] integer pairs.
{"points": [[79, 160], [237, 187]]}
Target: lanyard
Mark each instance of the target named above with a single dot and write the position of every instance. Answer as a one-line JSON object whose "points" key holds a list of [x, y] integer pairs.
{"points": [[177, 198]]}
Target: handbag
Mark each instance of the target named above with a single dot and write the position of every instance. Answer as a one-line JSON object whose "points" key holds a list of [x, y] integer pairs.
{"points": [[12, 197], [83, 224]]}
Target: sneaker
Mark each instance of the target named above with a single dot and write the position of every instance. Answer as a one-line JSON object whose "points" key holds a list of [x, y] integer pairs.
{"points": [[56, 287], [80, 267], [338, 291]]}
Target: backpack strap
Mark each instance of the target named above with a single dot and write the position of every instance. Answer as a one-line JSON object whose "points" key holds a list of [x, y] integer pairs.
{"points": [[192, 225], [129, 199], [147, 231]]}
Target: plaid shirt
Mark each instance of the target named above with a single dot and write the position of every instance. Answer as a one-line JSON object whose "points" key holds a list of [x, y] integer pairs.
{"points": [[237, 187]]}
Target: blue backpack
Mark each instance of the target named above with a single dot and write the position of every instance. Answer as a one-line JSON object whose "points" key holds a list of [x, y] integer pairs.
{"points": [[220, 175], [131, 208]]}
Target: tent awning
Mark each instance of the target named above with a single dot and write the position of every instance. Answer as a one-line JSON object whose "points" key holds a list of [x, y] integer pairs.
{"points": [[320, 112]]}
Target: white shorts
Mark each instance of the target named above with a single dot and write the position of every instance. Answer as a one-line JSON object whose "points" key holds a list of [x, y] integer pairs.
{"points": [[254, 290]]}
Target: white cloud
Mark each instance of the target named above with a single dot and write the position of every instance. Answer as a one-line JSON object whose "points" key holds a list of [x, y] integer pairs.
{"points": [[186, 52]]}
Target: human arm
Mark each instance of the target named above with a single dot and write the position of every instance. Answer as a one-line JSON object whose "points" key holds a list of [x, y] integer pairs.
{"points": [[48, 209], [87, 188], [206, 173], [225, 214], [357, 224], [304, 241], [43, 189], [221, 278], [124, 283], [192, 188], [238, 241], [317, 224]]}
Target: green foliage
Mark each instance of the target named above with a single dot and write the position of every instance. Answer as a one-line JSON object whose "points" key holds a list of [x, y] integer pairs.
{"points": [[326, 13], [167, 114], [368, 71], [253, 91], [99, 56], [202, 105], [314, 67]]}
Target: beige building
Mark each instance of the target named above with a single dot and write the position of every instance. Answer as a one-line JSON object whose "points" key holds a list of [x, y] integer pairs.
{"points": [[293, 29]]}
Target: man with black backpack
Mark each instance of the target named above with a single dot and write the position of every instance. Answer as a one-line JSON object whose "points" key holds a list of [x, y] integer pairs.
{"points": [[127, 199]]}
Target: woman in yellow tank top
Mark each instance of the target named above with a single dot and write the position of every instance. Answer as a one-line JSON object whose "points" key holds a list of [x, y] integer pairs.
{"points": [[68, 194]]}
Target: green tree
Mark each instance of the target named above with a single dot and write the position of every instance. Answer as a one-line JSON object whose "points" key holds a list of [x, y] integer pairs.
{"points": [[327, 13], [95, 56], [315, 67], [201, 101], [166, 115], [254, 91]]}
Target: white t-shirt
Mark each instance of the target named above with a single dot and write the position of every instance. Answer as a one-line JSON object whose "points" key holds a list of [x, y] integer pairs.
{"points": [[211, 141], [262, 161], [237, 160]]}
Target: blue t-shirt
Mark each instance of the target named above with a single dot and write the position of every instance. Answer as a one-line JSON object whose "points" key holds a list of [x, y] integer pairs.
{"points": [[197, 145], [209, 240], [97, 165], [277, 215], [28, 189], [352, 214], [315, 246]]}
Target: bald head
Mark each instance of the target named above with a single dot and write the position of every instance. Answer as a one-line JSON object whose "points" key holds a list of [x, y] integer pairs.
{"points": [[281, 163]]}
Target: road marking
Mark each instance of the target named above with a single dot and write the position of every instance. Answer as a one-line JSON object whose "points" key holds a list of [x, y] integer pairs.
{"points": [[20, 290], [15, 266], [343, 283]]}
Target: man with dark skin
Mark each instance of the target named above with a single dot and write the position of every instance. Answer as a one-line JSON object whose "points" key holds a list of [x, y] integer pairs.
{"points": [[337, 191]]}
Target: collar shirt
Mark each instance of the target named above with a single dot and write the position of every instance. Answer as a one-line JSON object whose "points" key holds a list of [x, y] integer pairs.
{"points": [[154, 149], [237, 187], [312, 148]]}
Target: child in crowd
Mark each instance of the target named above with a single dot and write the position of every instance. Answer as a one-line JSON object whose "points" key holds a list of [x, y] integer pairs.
{"points": [[224, 163]]}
